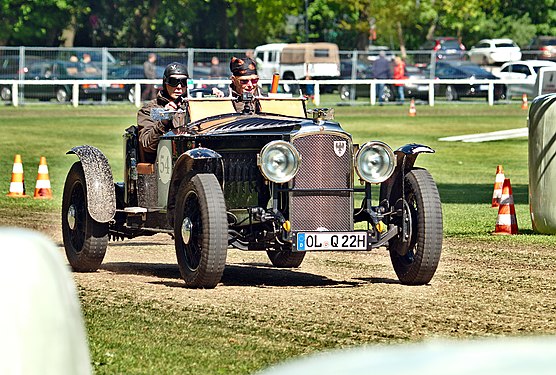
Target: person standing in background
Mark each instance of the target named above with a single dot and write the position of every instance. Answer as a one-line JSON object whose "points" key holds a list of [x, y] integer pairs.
{"points": [[399, 73], [381, 70], [149, 69]]}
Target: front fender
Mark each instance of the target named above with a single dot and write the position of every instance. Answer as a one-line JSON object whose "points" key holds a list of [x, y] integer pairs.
{"points": [[190, 163], [101, 194], [405, 160]]}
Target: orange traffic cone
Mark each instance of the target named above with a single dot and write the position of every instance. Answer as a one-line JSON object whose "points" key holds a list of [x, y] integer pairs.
{"points": [[498, 183], [17, 185], [506, 223], [42, 187], [412, 109], [524, 104]]}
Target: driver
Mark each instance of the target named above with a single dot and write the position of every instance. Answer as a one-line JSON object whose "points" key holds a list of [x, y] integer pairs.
{"points": [[244, 80], [174, 84]]}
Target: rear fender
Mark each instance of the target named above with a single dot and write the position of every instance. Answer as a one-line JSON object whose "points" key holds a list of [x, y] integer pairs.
{"points": [[405, 161], [190, 163], [101, 194]]}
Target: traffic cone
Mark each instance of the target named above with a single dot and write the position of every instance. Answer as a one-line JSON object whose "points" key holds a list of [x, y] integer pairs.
{"points": [[42, 187], [17, 185], [498, 183], [412, 109], [524, 104], [506, 223]]}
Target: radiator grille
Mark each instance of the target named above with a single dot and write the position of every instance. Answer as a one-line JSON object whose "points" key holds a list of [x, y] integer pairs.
{"points": [[322, 168]]}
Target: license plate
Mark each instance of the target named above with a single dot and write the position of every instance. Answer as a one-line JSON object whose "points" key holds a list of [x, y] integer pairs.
{"points": [[314, 241], [483, 87]]}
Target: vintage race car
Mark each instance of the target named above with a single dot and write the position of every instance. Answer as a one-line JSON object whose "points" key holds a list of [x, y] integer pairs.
{"points": [[275, 178]]}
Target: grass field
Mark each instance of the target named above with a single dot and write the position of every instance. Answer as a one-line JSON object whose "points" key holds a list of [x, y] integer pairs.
{"points": [[242, 327]]}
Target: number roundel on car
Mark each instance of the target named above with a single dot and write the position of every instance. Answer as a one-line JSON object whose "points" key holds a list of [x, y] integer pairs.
{"points": [[164, 163]]}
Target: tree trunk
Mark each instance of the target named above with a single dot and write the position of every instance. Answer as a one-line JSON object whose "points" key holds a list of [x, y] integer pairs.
{"points": [[401, 40], [68, 34]]}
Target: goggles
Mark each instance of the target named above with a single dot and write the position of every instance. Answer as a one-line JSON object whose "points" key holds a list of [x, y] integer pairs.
{"points": [[174, 82], [246, 81]]}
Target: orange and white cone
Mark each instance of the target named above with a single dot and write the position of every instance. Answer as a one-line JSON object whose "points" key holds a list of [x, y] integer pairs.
{"points": [[42, 187], [506, 223], [412, 109], [524, 104], [498, 183], [17, 185]]}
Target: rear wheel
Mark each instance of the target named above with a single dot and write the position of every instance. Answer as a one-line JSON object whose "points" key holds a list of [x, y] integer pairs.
{"points": [[201, 231], [415, 260], [61, 95], [85, 240], [285, 258]]}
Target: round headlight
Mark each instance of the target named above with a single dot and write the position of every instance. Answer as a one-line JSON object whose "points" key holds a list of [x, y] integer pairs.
{"points": [[375, 162], [279, 161]]}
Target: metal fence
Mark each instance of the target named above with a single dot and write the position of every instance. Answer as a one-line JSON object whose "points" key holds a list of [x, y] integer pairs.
{"points": [[115, 74]]}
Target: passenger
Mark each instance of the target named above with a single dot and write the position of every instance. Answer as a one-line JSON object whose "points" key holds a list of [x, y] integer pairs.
{"points": [[244, 80], [174, 84]]}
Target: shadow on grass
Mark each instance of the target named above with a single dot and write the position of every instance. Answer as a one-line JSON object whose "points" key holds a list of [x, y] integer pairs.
{"points": [[478, 193], [250, 274]]}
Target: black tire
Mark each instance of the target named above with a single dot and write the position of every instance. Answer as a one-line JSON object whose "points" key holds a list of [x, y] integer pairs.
{"points": [[201, 231], [130, 94], [415, 261], [346, 92], [290, 88], [388, 94], [451, 93], [6, 93], [285, 258], [85, 240], [62, 95]]}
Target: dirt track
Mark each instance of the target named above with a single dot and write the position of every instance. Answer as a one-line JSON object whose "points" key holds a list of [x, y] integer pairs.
{"points": [[481, 288]]}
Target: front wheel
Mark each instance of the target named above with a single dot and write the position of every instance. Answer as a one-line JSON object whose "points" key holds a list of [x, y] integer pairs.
{"points": [[201, 231], [451, 93], [415, 260], [85, 240]]}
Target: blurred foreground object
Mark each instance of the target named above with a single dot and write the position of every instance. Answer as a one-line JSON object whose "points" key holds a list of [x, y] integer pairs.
{"points": [[40, 319], [508, 356]]}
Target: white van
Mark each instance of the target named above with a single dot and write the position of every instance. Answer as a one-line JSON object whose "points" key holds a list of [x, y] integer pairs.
{"points": [[298, 61]]}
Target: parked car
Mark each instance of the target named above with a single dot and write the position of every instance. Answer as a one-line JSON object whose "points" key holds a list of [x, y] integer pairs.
{"points": [[526, 71], [55, 70], [133, 72], [253, 181], [543, 48], [365, 71], [445, 47], [463, 70], [494, 51], [10, 68]]}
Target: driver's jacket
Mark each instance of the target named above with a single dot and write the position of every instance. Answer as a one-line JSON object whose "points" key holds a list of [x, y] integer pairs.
{"points": [[151, 130]]}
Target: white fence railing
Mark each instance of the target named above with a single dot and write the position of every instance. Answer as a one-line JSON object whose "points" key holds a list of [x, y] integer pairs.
{"points": [[372, 83]]}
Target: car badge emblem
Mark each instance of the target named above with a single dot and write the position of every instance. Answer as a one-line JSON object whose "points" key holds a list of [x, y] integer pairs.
{"points": [[340, 148]]}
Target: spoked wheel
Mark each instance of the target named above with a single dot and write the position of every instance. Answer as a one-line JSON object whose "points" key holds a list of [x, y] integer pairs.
{"points": [[285, 258], [85, 239], [201, 231], [415, 261]]}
